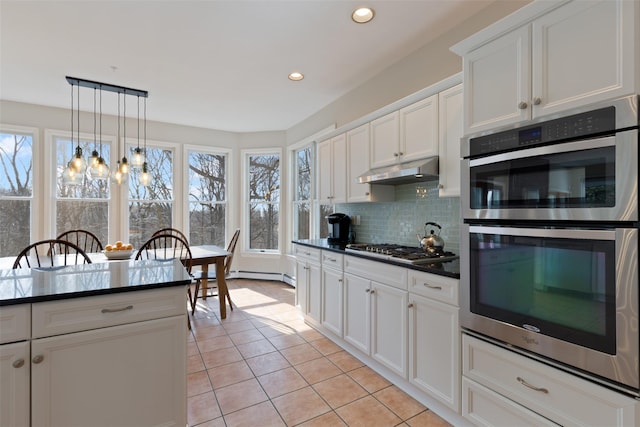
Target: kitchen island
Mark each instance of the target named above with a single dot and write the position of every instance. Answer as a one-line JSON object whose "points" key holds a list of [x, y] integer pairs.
{"points": [[100, 344]]}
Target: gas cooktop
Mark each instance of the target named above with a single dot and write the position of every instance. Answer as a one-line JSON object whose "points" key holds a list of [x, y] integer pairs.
{"points": [[400, 253]]}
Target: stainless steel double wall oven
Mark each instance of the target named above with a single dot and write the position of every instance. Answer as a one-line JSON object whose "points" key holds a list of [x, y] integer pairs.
{"points": [[549, 252]]}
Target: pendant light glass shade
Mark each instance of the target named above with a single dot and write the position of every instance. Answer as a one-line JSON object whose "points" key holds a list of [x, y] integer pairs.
{"points": [[118, 177], [124, 166], [137, 159], [70, 176], [145, 176], [78, 162], [100, 170]]}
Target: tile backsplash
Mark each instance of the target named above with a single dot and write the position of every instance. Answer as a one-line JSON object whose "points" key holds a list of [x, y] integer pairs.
{"points": [[400, 221]]}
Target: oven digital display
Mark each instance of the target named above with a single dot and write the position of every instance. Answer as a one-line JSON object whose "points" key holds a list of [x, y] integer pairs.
{"points": [[527, 136]]}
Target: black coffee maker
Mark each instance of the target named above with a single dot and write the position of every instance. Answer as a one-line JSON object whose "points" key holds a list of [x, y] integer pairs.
{"points": [[338, 228]]}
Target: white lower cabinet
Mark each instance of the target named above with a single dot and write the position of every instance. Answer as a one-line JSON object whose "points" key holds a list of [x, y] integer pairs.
{"points": [[332, 293], [389, 327], [15, 407], [504, 388], [124, 375], [357, 312], [308, 280], [113, 360]]}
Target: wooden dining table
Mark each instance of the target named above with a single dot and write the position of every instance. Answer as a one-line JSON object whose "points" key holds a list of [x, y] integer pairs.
{"points": [[204, 256]]}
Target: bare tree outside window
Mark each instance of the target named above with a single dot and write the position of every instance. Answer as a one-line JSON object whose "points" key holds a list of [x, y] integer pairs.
{"points": [[84, 206], [207, 198], [264, 201], [16, 192], [302, 196], [151, 207]]}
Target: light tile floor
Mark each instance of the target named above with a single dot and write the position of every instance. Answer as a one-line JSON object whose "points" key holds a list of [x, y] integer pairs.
{"points": [[263, 366]]}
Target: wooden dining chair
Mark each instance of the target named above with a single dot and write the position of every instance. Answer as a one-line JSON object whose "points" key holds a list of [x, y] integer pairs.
{"points": [[51, 253], [165, 247], [173, 231], [211, 275], [86, 240]]}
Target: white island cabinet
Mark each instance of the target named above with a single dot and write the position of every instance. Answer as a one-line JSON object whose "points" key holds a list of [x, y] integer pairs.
{"points": [[549, 57], [94, 345]]}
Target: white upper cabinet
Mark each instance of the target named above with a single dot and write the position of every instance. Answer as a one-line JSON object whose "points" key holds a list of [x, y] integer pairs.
{"points": [[332, 167], [410, 133], [450, 129], [385, 140], [419, 129], [358, 156], [547, 58]]}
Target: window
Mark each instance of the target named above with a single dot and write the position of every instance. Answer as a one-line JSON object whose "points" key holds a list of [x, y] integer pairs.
{"points": [[84, 206], [16, 191], [151, 207], [302, 197], [263, 200], [207, 197]]}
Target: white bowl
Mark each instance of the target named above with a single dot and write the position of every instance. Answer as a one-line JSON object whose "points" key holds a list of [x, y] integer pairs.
{"points": [[126, 254]]}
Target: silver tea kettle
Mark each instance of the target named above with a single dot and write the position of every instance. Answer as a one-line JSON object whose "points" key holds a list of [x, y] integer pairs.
{"points": [[432, 242]]}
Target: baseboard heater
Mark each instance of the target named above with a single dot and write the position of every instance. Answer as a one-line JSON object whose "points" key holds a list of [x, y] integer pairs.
{"points": [[262, 275]]}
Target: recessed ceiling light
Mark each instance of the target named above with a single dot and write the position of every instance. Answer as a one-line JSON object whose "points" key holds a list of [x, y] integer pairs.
{"points": [[296, 76], [362, 15]]}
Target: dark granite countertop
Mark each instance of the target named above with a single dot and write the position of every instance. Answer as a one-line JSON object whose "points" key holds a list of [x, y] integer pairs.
{"points": [[449, 269], [27, 285]]}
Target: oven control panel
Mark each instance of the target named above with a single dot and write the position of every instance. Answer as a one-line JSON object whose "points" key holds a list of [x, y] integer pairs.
{"points": [[581, 125]]}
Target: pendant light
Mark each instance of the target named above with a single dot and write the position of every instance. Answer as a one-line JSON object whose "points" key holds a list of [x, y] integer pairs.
{"points": [[124, 164], [137, 160], [70, 176], [93, 160], [100, 169], [117, 176], [78, 161], [145, 177]]}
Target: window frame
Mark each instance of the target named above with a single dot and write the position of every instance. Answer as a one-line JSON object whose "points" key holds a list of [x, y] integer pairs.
{"points": [[246, 243], [36, 222], [230, 188]]}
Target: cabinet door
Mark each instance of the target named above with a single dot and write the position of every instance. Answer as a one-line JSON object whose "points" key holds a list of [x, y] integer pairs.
{"points": [[450, 132], [325, 192], [385, 140], [126, 375], [302, 286], [434, 349], [332, 300], [339, 168], [314, 292], [497, 82], [582, 53], [358, 153], [357, 312], [419, 129], [389, 327], [14, 384]]}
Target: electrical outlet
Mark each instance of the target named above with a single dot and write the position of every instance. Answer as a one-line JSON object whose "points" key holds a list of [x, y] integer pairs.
{"points": [[355, 220]]}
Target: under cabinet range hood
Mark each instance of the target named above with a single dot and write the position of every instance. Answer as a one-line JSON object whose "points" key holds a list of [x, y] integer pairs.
{"points": [[402, 173]]}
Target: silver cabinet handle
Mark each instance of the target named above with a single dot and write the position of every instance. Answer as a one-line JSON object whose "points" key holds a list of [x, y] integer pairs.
{"points": [[116, 310], [339, 280], [401, 153], [410, 305], [18, 363], [440, 186], [367, 290], [532, 387], [437, 288], [523, 105], [537, 101], [367, 193], [373, 291], [37, 359], [331, 259]]}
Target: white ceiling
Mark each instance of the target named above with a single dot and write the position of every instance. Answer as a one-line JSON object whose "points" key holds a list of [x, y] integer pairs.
{"points": [[211, 63]]}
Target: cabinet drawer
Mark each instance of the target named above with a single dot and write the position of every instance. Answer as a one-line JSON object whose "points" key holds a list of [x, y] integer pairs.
{"points": [[305, 253], [440, 288], [483, 407], [377, 271], [81, 314], [15, 323], [563, 398], [332, 260]]}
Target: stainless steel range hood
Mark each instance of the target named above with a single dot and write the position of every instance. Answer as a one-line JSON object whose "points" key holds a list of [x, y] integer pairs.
{"points": [[402, 173]]}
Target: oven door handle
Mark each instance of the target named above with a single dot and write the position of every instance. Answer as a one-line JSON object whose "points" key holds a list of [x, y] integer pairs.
{"points": [[546, 150], [566, 233]]}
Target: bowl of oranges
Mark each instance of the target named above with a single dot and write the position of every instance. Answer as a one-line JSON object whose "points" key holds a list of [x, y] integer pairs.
{"points": [[118, 250]]}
